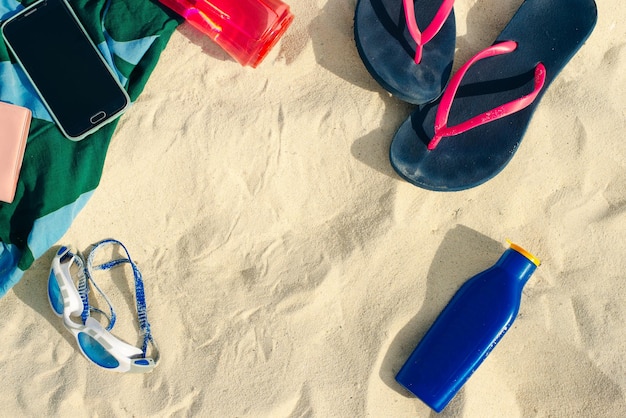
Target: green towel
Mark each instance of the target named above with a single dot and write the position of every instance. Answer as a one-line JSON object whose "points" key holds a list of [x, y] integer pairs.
{"points": [[59, 176]]}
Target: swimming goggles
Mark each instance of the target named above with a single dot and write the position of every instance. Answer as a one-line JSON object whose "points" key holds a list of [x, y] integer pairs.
{"points": [[71, 302]]}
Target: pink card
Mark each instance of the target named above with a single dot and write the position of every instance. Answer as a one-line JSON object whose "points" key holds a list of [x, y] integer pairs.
{"points": [[14, 125]]}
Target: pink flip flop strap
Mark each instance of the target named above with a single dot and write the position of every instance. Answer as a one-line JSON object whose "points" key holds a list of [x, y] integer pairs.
{"points": [[441, 119], [421, 38]]}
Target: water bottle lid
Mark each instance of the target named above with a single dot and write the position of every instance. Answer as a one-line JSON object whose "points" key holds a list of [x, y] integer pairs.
{"points": [[525, 253]]}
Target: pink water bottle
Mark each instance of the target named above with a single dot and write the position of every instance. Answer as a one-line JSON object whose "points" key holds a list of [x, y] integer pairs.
{"points": [[246, 29]]}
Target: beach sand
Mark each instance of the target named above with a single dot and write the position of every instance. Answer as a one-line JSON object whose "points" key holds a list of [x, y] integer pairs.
{"points": [[289, 272]]}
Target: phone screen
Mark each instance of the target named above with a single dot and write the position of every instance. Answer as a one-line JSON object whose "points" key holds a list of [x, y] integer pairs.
{"points": [[64, 66]]}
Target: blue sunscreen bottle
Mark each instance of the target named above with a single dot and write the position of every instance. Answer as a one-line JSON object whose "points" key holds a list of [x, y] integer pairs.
{"points": [[466, 331]]}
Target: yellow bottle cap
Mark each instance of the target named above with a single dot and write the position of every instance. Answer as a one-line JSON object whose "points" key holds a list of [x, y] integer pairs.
{"points": [[525, 253]]}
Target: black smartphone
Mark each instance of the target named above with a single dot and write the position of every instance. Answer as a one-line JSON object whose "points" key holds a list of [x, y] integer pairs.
{"points": [[74, 81]]}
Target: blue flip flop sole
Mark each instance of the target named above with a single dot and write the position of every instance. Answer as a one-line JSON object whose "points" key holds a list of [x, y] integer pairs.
{"points": [[388, 50], [546, 31]]}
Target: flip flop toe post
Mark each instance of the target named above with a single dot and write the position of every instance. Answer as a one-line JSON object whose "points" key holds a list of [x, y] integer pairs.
{"points": [[407, 45], [471, 133]]}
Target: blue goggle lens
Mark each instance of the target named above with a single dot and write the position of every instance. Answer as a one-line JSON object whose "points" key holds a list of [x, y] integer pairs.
{"points": [[96, 352], [54, 293]]}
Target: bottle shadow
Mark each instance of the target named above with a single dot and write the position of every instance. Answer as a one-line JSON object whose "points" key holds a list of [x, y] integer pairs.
{"points": [[462, 254], [208, 46]]}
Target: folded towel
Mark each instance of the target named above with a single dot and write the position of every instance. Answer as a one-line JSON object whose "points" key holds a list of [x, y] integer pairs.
{"points": [[59, 176]]}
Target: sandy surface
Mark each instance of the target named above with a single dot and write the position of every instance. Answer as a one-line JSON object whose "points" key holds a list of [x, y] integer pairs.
{"points": [[290, 272]]}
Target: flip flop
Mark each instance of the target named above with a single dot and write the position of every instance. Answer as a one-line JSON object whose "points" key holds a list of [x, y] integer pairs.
{"points": [[473, 131], [407, 45]]}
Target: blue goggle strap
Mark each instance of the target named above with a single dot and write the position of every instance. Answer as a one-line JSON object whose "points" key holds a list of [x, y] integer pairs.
{"points": [[140, 298], [82, 287], [84, 277]]}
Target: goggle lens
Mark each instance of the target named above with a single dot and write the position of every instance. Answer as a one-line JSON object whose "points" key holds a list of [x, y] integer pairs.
{"points": [[54, 294], [96, 352]]}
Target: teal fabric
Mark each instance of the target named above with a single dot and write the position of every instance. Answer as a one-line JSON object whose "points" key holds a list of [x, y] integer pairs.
{"points": [[59, 176]]}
